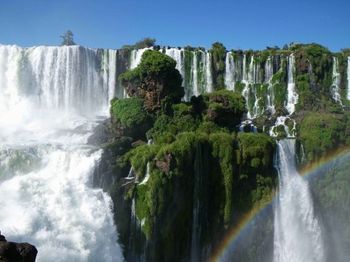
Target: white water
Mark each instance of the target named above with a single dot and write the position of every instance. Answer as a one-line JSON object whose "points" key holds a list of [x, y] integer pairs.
{"points": [[178, 56], [297, 232], [250, 78], [292, 96], [49, 100], [208, 74], [199, 76], [136, 56], [290, 103], [336, 81], [229, 71], [282, 121], [245, 81], [270, 96], [194, 77], [148, 167]]}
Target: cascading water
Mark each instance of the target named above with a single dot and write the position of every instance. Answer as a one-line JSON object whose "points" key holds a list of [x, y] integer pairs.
{"points": [[292, 96], [194, 77], [50, 98], [292, 100], [229, 71], [178, 56], [245, 81], [336, 81], [136, 56], [270, 105], [208, 74], [297, 231], [197, 79], [250, 79], [109, 62]]}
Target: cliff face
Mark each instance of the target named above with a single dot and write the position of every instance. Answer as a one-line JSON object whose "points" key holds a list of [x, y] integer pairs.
{"points": [[209, 161], [279, 85]]}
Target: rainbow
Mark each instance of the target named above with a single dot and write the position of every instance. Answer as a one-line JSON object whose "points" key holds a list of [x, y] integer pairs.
{"points": [[232, 236]]}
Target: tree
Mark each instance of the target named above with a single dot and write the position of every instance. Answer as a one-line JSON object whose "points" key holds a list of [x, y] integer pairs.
{"points": [[146, 42], [218, 52], [153, 80], [67, 38]]}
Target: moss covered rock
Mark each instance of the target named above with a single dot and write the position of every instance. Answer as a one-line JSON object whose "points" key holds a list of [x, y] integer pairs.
{"points": [[129, 117], [225, 108], [154, 79], [321, 132]]}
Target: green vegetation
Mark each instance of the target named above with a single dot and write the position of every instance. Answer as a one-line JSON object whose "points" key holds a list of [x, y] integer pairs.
{"points": [[279, 86], [67, 38], [195, 146], [144, 43], [218, 52], [130, 112], [331, 188], [225, 108], [223, 151], [314, 76], [197, 160], [320, 133], [153, 80]]}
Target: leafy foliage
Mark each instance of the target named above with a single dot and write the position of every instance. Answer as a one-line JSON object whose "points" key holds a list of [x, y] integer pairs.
{"points": [[67, 38], [218, 52], [156, 74], [320, 133], [225, 108], [144, 43], [129, 112]]}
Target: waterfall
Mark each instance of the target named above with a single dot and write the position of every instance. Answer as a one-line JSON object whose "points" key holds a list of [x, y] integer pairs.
{"points": [[69, 78], [136, 55], [297, 234], [270, 96], [148, 167], [109, 69], [348, 75], [250, 78], [245, 81], [198, 78], [336, 81], [292, 96], [282, 121], [292, 100], [178, 56], [194, 84], [208, 74], [50, 101], [229, 71]]}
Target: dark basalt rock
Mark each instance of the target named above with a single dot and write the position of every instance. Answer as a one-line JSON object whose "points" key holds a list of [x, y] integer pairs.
{"points": [[100, 134], [11, 251]]}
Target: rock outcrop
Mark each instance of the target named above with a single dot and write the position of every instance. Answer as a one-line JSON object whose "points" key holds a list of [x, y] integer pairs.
{"points": [[154, 79], [11, 251]]}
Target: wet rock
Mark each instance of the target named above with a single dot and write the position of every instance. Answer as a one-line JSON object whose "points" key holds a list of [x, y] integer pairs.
{"points": [[101, 134], [11, 251]]}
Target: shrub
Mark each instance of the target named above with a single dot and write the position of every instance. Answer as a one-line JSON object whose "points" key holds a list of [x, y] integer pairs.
{"points": [[129, 112], [154, 79], [320, 133]]}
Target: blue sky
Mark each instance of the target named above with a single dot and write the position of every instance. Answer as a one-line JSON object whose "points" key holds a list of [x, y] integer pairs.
{"points": [[237, 24]]}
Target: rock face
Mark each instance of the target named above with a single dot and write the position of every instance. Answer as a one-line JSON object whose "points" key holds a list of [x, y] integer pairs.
{"points": [[11, 251], [206, 169]]}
